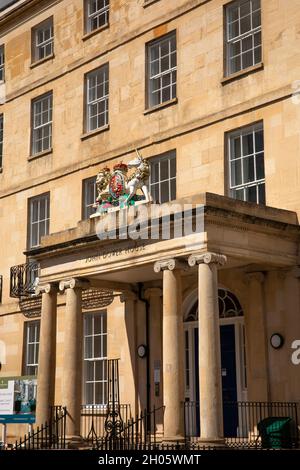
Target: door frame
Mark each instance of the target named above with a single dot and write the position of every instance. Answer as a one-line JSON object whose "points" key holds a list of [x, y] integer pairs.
{"points": [[239, 330]]}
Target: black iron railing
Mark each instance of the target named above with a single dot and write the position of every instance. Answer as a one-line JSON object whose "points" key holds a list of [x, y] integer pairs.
{"points": [[93, 418], [23, 278], [137, 434], [251, 424], [51, 435]]}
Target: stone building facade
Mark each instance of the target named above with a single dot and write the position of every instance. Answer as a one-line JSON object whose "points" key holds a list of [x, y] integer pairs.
{"points": [[208, 92]]}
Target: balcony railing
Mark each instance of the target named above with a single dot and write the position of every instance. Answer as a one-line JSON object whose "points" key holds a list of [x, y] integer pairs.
{"points": [[23, 279]]}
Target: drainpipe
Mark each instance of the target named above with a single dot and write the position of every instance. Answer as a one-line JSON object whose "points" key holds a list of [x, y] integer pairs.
{"points": [[147, 306]]}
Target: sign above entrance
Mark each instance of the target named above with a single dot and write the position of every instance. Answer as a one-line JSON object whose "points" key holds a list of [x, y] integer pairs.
{"points": [[118, 190]]}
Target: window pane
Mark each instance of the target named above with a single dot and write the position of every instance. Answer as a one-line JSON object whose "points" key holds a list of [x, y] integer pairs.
{"points": [[259, 141], [257, 55], [256, 19], [247, 144], [236, 173], [261, 194], [89, 370], [248, 168], [165, 196], [173, 190], [251, 194], [247, 59], [235, 148], [164, 170], [173, 167], [245, 24], [89, 393], [97, 324], [99, 395], [239, 194], [260, 166], [88, 351], [234, 30], [97, 346]]}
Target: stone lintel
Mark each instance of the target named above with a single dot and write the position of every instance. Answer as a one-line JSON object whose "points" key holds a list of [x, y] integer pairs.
{"points": [[256, 277]]}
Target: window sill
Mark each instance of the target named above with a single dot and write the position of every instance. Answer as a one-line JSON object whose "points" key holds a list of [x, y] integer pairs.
{"points": [[161, 106], [95, 132], [95, 31], [41, 61], [242, 73], [39, 155], [150, 2]]}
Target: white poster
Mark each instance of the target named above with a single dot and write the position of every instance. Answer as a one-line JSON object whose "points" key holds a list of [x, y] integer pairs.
{"points": [[7, 398]]}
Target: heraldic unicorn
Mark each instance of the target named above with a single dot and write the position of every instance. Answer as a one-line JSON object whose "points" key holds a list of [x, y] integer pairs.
{"points": [[117, 190]]}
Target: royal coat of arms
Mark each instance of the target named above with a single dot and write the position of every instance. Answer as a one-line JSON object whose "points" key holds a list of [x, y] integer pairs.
{"points": [[117, 189]]}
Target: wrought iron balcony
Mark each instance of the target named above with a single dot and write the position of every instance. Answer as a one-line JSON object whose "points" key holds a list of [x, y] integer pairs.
{"points": [[23, 279]]}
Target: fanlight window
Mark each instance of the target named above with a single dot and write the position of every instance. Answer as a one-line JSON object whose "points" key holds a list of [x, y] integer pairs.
{"points": [[229, 306]]}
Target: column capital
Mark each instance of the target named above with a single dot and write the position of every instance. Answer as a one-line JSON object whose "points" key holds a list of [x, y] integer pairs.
{"points": [[255, 276], [169, 264], [74, 283], [207, 258], [127, 296], [48, 288], [153, 292]]}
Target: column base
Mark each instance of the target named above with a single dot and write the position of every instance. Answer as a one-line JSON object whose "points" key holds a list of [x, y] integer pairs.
{"points": [[211, 442], [74, 442], [174, 441]]}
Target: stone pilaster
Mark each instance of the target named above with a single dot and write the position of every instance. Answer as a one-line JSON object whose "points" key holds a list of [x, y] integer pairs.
{"points": [[128, 363], [255, 321], [210, 380], [153, 295]]}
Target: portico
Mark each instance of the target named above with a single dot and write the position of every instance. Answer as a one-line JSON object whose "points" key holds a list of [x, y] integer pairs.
{"points": [[241, 246]]}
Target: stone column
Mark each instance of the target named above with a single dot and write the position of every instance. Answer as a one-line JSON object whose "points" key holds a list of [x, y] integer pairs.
{"points": [[153, 296], [47, 353], [256, 328], [210, 380], [128, 364], [73, 356], [173, 360]]}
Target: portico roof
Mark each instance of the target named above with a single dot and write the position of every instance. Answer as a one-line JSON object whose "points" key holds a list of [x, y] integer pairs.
{"points": [[248, 234]]}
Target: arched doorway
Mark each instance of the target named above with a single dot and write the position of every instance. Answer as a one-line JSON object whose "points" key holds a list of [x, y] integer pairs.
{"points": [[233, 361]]}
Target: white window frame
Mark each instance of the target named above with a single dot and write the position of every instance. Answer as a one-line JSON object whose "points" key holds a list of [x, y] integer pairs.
{"points": [[87, 209], [255, 182], [42, 121], [99, 81], [2, 63], [171, 155], [240, 39], [40, 47], [40, 222], [101, 14], [35, 325], [162, 75], [101, 360], [1, 139]]}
